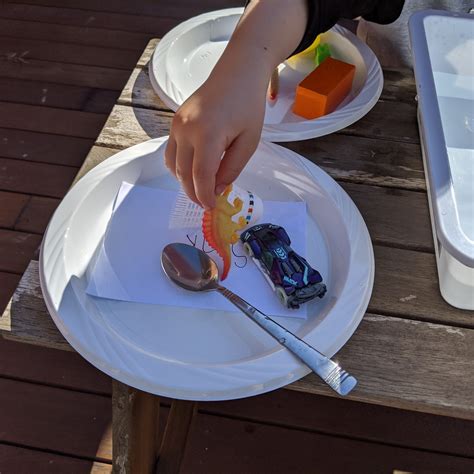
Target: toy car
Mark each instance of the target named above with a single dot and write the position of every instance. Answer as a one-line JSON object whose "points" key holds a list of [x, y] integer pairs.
{"points": [[289, 274]]}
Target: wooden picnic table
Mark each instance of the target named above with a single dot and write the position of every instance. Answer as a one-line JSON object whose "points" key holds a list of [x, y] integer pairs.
{"points": [[411, 351]]}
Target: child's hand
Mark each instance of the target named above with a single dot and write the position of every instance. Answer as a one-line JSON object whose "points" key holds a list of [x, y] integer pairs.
{"points": [[223, 117]]}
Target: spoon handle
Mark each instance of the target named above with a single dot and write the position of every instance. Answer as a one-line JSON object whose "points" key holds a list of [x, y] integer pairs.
{"points": [[338, 379]]}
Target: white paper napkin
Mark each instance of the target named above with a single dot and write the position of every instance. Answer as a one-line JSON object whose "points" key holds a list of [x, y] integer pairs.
{"points": [[128, 265]]}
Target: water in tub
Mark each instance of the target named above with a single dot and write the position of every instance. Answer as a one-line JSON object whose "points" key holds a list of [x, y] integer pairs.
{"points": [[451, 51]]}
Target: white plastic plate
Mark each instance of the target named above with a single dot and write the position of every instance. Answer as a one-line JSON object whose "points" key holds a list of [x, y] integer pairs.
{"points": [[191, 353], [186, 55]]}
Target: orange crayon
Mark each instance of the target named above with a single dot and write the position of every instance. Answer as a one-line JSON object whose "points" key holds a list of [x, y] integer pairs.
{"points": [[324, 89]]}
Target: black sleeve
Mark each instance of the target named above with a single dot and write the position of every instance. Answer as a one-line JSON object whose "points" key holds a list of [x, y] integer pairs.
{"points": [[324, 14]]}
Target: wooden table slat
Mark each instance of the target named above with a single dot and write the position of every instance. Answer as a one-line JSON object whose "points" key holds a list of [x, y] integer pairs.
{"points": [[8, 283], [84, 18], [156, 10], [43, 147], [37, 118], [12, 206], [24, 49], [350, 158], [37, 214], [30, 177], [16, 250], [64, 73], [64, 421], [49, 94], [89, 36]]}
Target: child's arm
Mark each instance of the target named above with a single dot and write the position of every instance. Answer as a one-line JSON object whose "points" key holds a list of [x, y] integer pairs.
{"points": [[225, 115]]}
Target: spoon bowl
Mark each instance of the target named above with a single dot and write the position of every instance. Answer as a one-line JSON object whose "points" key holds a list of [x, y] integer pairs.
{"points": [[189, 267]]}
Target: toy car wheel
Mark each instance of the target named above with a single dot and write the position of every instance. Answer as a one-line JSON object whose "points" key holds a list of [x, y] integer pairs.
{"points": [[248, 249], [321, 287], [283, 236], [283, 297]]}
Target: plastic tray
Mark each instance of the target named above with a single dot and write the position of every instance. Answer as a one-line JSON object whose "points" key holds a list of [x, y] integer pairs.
{"points": [[443, 51]]}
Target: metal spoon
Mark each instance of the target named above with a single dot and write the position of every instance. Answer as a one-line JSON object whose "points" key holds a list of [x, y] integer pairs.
{"points": [[194, 270]]}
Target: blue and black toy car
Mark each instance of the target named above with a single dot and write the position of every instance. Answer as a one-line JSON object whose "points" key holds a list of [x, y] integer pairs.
{"points": [[289, 274]]}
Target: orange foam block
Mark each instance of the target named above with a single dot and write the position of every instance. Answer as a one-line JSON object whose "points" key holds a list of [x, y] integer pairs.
{"points": [[324, 89]]}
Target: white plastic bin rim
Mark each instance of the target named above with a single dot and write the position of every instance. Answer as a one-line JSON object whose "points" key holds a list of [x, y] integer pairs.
{"points": [[443, 54]]}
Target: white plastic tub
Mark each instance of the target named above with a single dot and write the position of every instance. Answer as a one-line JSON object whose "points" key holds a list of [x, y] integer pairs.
{"points": [[443, 53]]}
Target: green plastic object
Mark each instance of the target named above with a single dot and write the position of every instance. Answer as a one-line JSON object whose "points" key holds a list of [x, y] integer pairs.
{"points": [[322, 52]]}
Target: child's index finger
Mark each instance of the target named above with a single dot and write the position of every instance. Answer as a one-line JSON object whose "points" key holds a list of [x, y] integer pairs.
{"points": [[206, 162]]}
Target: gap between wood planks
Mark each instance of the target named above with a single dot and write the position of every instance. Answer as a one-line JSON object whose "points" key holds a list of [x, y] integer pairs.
{"points": [[88, 36], [22, 50], [44, 147], [51, 120], [60, 96], [25, 193], [29, 161], [17, 248], [33, 178], [26, 159], [17, 458], [45, 450], [84, 391], [16, 229], [61, 73]]}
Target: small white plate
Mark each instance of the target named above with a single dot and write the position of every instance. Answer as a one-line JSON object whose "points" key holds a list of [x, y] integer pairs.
{"points": [[191, 353], [187, 54]]}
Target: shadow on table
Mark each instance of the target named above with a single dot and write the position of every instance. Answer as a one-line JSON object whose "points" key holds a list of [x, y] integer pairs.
{"points": [[151, 113]]}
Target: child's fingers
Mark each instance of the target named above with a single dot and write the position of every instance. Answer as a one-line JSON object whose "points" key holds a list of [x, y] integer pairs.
{"points": [[170, 155], [235, 159], [205, 165], [184, 168]]}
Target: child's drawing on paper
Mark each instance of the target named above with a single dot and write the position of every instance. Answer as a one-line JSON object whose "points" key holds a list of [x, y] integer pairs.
{"points": [[199, 241], [235, 210]]}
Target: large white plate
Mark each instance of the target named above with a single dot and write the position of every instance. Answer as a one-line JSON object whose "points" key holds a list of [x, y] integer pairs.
{"points": [[186, 55], [199, 354]]}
